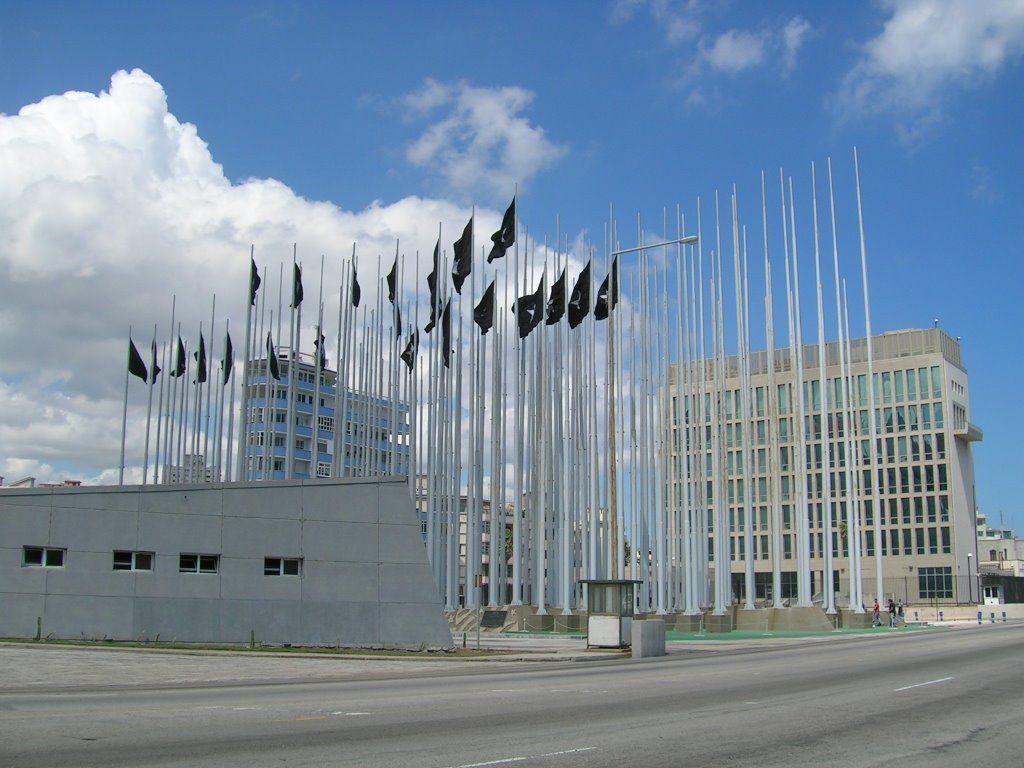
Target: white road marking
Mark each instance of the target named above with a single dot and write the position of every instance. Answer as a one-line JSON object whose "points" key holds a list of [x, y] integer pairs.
{"points": [[350, 714], [506, 760], [919, 685]]}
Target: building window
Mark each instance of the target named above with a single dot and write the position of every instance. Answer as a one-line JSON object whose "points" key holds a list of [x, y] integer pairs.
{"points": [[282, 566], [133, 561], [198, 563], [323, 469], [935, 582], [43, 557]]}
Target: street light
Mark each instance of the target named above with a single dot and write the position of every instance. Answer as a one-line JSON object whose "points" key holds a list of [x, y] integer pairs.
{"points": [[970, 577]]}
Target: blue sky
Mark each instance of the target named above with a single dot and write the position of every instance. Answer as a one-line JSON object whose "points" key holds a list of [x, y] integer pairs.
{"points": [[325, 123]]}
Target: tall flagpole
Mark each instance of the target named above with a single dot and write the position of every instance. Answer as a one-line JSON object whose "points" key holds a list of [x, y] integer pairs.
{"points": [[872, 420], [149, 409], [828, 585]]}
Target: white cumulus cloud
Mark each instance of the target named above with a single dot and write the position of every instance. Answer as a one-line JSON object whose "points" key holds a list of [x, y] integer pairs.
{"points": [[480, 141], [109, 206], [927, 49]]}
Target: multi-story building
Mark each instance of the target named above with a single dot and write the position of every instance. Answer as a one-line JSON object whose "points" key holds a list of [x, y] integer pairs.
{"points": [[375, 433], [910, 497]]}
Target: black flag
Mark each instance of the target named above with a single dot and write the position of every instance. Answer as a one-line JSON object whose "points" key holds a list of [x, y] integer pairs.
{"points": [[606, 300], [446, 334], [200, 357], [154, 369], [275, 372], [393, 280], [556, 302], [529, 310], [179, 366], [321, 356], [135, 365], [579, 300], [505, 236], [483, 314], [398, 322], [229, 358], [409, 355], [254, 282], [356, 291], [296, 287], [432, 285], [463, 250]]}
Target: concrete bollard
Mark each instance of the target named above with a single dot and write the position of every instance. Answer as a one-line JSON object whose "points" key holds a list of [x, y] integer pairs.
{"points": [[648, 637], [992, 618], [1004, 616], [979, 617]]}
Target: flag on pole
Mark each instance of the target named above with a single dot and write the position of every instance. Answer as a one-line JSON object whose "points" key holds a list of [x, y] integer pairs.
{"points": [[409, 354], [579, 299], [319, 344], [356, 290], [483, 313], [296, 287], [179, 365], [432, 285], [556, 301], [607, 297], [393, 280], [154, 369], [446, 334], [200, 357], [506, 236], [529, 310], [135, 365], [463, 250], [275, 371], [229, 358], [254, 282], [398, 322]]}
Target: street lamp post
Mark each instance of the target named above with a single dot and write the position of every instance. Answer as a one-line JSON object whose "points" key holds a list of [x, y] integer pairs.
{"points": [[970, 578]]}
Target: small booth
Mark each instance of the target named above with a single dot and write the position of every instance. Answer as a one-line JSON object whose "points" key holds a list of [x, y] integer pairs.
{"points": [[609, 612]]}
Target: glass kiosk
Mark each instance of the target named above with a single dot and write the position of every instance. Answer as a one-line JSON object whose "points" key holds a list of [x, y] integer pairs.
{"points": [[609, 612]]}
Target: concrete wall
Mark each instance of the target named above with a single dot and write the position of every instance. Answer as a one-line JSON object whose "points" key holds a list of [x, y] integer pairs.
{"points": [[365, 580]]}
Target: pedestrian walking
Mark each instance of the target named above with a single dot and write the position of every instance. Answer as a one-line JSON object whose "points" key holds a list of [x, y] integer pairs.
{"points": [[892, 612], [876, 615]]}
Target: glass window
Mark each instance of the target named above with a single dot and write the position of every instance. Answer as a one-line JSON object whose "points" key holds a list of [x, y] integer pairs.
{"points": [[282, 566], [188, 563], [936, 382], [911, 386], [897, 380], [862, 388], [133, 561], [901, 419], [45, 557], [886, 387], [938, 415], [935, 582], [919, 536]]}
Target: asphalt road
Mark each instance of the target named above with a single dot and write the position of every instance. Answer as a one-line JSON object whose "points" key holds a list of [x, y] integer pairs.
{"points": [[942, 698]]}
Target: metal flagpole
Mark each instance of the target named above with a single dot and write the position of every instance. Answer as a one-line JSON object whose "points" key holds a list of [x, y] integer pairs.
{"points": [[124, 417], [209, 388], [243, 415], [229, 373], [828, 583], [803, 523], [149, 409], [774, 466], [872, 413]]}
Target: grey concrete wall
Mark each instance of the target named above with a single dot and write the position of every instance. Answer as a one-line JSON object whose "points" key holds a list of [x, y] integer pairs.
{"points": [[365, 579]]}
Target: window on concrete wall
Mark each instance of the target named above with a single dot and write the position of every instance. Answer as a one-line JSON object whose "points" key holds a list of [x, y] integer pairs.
{"points": [[935, 582], [133, 561], [189, 563], [43, 557], [282, 566]]}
